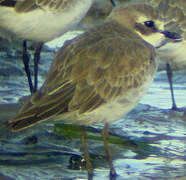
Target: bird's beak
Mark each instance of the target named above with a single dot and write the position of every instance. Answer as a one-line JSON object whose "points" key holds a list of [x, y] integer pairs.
{"points": [[171, 35]]}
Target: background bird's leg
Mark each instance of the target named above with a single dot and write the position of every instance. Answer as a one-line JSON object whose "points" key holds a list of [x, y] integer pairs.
{"points": [[87, 157], [169, 76], [26, 65], [113, 3], [107, 150], [36, 62]]}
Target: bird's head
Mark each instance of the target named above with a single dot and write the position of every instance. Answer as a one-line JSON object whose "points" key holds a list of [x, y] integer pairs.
{"points": [[145, 21]]}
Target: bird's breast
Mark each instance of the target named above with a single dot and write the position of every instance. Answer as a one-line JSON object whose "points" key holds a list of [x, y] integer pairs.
{"points": [[173, 53]]}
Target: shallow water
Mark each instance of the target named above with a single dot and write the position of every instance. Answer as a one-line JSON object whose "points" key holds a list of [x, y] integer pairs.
{"points": [[156, 135]]}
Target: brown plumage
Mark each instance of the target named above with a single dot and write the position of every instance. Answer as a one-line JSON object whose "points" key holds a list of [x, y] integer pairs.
{"points": [[93, 73], [23, 6], [88, 72]]}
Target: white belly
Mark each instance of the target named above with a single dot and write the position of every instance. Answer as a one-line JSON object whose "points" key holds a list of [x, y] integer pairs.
{"points": [[115, 109], [174, 54], [41, 25]]}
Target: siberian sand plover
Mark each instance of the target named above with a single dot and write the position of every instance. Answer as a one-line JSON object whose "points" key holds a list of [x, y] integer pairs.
{"points": [[100, 75], [39, 21], [173, 13]]}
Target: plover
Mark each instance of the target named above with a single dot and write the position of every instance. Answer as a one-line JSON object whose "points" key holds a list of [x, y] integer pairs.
{"points": [[173, 13], [100, 75], [39, 21]]}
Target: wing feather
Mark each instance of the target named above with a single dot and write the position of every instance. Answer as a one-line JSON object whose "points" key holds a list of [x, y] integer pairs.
{"points": [[23, 6]]}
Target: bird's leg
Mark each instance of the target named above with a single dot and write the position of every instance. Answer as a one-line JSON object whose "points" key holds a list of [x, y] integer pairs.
{"points": [[36, 62], [87, 157], [26, 65], [169, 76], [113, 3], [107, 150]]}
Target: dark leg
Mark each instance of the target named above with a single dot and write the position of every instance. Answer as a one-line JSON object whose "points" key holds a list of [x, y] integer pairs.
{"points": [[36, 62], [26, 65], [107, 150], [169, 76], [87, 157], [113, 3]]}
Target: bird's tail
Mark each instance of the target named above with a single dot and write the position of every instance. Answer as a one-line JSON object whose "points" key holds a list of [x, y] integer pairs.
{"points": [[40, 108], [27, 119]]}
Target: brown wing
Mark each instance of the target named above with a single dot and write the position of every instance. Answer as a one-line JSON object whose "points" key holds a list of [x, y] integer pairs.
{"points": [[26, 6], [87, 72], [23, 6], [50, 5], [20, 5]]}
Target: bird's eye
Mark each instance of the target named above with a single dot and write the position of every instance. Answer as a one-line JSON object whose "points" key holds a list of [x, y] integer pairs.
{"points": [[149, 24]]}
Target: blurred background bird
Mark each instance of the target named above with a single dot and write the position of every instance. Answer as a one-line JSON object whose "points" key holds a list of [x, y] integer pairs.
{"points": [[39, 21], [172, 55]]}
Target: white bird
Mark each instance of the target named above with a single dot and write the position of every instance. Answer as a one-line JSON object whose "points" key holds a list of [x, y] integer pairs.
{"points": [[100, 75], [173, 13], [39, 21]]}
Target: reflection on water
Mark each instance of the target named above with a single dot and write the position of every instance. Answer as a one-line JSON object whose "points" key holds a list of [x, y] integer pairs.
{"points": [[159, 92], [159, 136], [157, 151]]}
